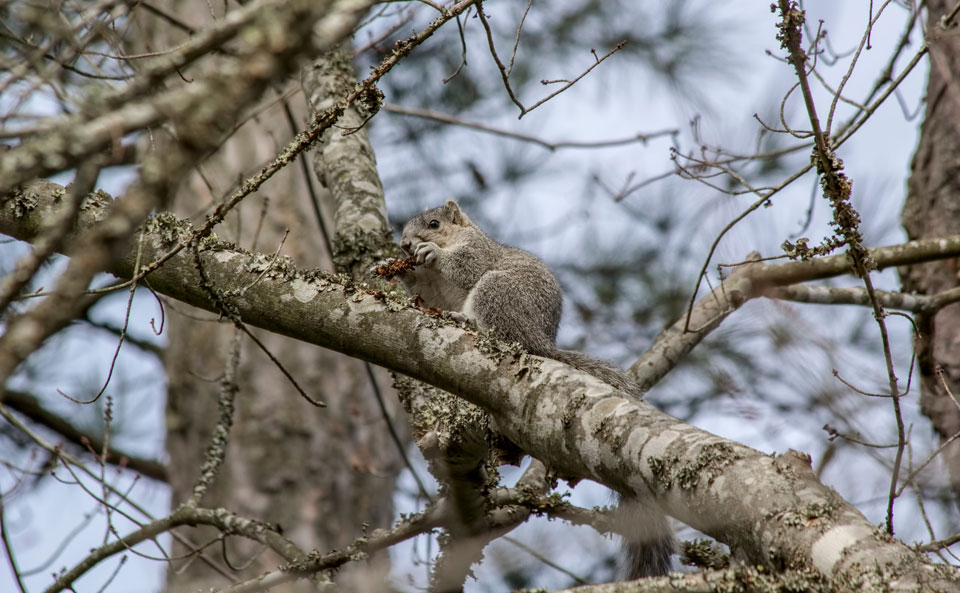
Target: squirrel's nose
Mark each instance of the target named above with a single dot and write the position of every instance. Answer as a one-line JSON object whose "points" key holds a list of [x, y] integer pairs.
{"points": [[406, 245]]}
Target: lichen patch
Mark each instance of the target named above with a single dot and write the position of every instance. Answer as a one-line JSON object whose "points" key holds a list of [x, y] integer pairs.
{"points": [[303, 290]]}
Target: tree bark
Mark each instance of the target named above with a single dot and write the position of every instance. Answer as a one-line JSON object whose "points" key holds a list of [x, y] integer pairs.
{"points": [[932, 209]]}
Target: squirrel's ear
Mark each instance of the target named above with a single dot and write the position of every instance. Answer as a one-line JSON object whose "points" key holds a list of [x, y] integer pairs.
{"points": [[452, 209]]}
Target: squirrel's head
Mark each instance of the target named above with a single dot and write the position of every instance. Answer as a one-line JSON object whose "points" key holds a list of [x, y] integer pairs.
{"points": [[441, 225]]}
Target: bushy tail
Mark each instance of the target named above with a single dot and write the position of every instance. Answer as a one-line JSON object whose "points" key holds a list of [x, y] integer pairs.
{"points": [[604, 371], [647, 552]]}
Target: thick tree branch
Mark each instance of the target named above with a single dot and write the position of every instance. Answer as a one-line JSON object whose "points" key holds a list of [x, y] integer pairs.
{"points": [[578, 425], [747, 579]]}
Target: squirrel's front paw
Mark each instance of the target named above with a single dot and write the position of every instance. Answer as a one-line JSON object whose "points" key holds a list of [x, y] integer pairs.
{"points": [[426, 253]]}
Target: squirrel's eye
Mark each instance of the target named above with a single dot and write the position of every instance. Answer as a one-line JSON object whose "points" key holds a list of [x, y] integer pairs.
{"points": [[434, 224]]}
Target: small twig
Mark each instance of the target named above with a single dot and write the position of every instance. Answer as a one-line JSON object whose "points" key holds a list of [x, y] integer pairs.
{"points": [[855, 389], [266, 268], [142, 344], [463, 52], [113, 575], [243, 565], [123, 332], [103, 457], [599, 60], [939, 545], [946, 387], [279, 365], [505, 74], [308, 179], [946, 443], [396, 26], [63, 544], [544, 560], [394, 435], [943, 383], [864, 41], [516, 42], [834, 434]]}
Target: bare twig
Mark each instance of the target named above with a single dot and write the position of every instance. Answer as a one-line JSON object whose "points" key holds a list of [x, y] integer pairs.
{"points": [[442, 117], [516, 41], [857, 295], [505, 72]]}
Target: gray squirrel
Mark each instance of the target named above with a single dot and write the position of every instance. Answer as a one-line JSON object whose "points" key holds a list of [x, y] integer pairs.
{"points": [[502, 289], [515, 296]]}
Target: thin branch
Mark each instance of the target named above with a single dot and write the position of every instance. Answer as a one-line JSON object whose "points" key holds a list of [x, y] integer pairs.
{"points": [[939, 545], [857, 295], [864, 41], [449, 119], [505, 74], [463, 52], [516, 41], [837, 188], [394, 435], [120, 339]]}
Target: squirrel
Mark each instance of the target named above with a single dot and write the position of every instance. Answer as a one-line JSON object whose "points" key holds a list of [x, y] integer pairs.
{"points": [[502, 289], [513, 294]]}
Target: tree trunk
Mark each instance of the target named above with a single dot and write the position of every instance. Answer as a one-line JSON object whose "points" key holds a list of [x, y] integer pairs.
{"points": [[932, 209], [319, 473]]}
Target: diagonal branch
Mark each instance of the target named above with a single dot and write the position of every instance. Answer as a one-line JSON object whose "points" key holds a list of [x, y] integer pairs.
{"points": [[837, 188]]}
